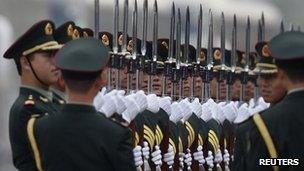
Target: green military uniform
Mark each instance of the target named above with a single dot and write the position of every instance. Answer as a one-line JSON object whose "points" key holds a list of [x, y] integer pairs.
{"points": [[31, 100], [274, 133], [78, 137]]}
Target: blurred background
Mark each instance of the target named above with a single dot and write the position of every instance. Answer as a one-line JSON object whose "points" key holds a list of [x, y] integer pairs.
{"points": [[17, 16]]}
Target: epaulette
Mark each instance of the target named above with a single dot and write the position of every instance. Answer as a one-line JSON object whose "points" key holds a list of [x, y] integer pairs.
{"points": [[121, 123], [30, 101]]}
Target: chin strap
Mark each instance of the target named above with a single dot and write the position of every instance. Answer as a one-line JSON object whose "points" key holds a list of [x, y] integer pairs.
{"points": [[35, 72]]}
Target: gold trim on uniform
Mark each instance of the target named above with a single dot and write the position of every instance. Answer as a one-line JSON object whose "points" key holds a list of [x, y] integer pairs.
{"points": [[191, 133], [200, 140], [43, 46], [266, 137], [212, 142], [158, 135], [180, 145], [30, 133], [136, 139], [172, 144], [43, 99], [149, 136]]}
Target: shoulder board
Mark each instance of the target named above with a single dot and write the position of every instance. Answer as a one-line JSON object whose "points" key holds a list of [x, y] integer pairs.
{"points": [[121, 123]]}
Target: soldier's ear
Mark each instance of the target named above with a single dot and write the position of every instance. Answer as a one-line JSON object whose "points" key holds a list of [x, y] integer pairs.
{"points": [[103, 78], [24, 63]]}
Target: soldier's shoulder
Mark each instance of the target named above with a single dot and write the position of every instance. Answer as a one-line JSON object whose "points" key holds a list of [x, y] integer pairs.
{"points": [[110, 123]]}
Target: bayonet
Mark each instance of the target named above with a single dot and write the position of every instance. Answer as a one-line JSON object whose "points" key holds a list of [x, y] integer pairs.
{"points": [[221, 72], [291, 27], [208, 69], [196, 65], [232, 60], [125, 27], [263, 27], [246, 67], [178, 43], [168, 62], [145, 27], [96, 19]]}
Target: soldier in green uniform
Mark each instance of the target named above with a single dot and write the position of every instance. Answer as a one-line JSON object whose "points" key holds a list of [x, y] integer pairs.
{"points": [[271, 89], [62, 35], [77, 137], [33, 54], [273, 133]]}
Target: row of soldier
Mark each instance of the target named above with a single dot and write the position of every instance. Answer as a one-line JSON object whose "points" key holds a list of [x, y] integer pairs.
{"points": [[181, 111]]}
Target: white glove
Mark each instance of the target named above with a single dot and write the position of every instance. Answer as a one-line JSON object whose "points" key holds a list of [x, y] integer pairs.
{"points": [[209, 160], [230, 111], [98, 100], [137, 156], [108, 109], [165, 104], [141, 100], [251, 103], [156, 156], [206, 112], [218, 157], [262, 103], [120, 102], [176, 113], [188, 159], [181, 159], [132, 109], [169, 156], [185, 106], [243, 113], [199, 155], [153, 104], [196, 107], [226, 157], [217, 113]]}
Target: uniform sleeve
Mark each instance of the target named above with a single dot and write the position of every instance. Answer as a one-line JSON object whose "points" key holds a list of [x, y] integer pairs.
{"points": [[239, 162], [124, 159]]}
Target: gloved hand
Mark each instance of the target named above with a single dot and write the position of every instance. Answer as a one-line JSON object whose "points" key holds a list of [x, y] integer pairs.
{"points": [[169, 156], [218, 157], [137, 156], [141, 100], [176, 113], [186, 109], [153, 104], [217, 113], [98, 99], [181, 159], [196, 107], [251, 103], [146, 150], [206, 112], [165, 104], [243, 113], [156, 156], [119, 102], [188, 159], [108, 109], [209, 160], [262, 103], [230, 111], [199, 155], [226, 157], [132, 109]]}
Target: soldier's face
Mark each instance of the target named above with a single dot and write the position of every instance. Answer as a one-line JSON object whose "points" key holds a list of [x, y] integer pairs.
{"points": [[249, 91], [44, 66], [213, 86], [156, 83], [236, 89], [271, 88], [198, 87], [187, 87]]}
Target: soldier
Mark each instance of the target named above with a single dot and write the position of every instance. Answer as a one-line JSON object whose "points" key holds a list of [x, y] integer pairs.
{"points": [[271, 89], [63, 138], [62, 35], [272, 133], [33, 54]]}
